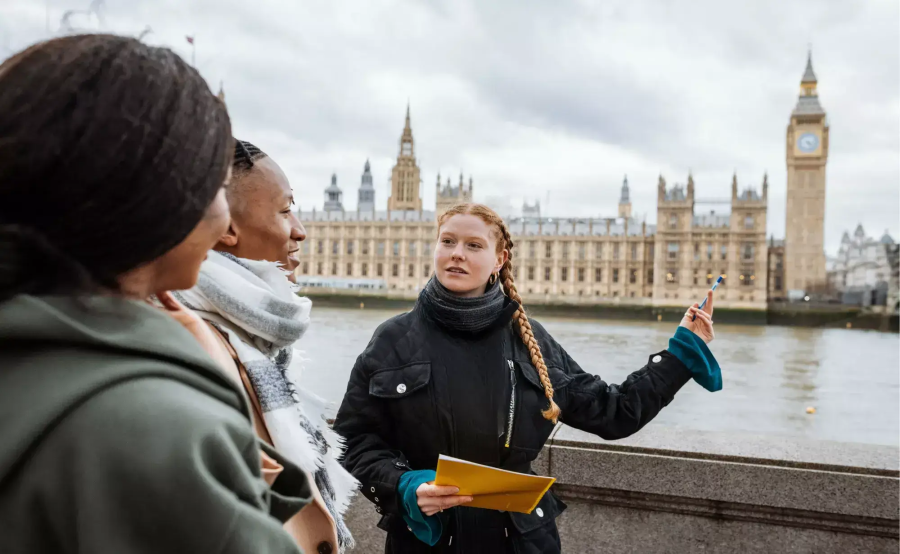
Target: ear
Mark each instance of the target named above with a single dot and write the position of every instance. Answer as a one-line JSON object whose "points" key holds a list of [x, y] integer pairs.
{"points": [[230, 238], [501, 259]]}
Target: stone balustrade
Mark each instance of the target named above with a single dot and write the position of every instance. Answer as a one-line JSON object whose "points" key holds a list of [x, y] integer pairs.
{"points": [[671, 490]]}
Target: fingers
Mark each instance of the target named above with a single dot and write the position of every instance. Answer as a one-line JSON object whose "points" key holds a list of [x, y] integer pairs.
{"points": [[694, 313], [709, 303], [426, 489], [430, 505]]}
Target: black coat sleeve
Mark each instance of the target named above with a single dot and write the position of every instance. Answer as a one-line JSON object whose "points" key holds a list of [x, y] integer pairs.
{"points": [[364, 423], [613, 411]]}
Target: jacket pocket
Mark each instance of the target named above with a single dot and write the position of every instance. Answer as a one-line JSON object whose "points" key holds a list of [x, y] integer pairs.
{"points": [[399, 382], [546, 512], [558, 378]]}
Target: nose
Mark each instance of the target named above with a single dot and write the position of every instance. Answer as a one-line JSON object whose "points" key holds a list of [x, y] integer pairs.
{"points": [[298, 232], [458, 252]]}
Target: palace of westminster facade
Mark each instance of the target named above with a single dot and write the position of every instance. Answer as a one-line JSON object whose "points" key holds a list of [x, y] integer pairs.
{"points": [[597, 260]]}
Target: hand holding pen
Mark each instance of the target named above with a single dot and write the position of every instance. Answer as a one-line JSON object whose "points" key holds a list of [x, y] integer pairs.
{"points": [[698, 318]]}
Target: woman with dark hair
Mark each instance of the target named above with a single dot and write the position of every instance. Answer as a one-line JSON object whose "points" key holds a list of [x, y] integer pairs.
{"points": [[117, 433], [469, 374], [245, 294]]}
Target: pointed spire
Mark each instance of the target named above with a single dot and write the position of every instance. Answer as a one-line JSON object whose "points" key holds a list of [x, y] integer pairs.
{"points": [[368, 168], [334, 179], [625, 198], [221, 95], [809, 76], [407, 115]]}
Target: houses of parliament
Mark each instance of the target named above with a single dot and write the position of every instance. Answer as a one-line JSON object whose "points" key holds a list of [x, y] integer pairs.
{"points": [[595, 260]]}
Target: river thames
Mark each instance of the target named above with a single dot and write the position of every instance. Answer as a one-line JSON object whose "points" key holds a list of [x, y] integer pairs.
{"points": [[771, 374]]}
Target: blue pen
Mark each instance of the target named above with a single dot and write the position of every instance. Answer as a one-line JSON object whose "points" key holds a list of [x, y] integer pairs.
{"points": [[702, 304]]}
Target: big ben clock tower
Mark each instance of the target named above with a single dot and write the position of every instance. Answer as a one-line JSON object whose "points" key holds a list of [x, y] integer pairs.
{"points": [[807, 154]]}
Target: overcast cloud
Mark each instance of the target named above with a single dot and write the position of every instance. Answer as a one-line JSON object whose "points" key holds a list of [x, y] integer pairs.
{"points": [[534, 97]]}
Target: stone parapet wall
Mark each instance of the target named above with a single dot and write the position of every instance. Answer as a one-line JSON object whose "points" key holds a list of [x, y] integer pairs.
{"points": [[669, 490]]}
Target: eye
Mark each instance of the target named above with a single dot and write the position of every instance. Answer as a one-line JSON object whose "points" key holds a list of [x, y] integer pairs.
{"points": [[446, 241], [474, 245]]}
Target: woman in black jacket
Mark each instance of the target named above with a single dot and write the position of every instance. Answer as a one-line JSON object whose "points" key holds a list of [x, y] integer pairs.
{"points": [[468, 374]]}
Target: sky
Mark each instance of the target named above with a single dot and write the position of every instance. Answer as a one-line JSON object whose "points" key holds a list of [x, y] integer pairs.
{"points": [[556, 101]]}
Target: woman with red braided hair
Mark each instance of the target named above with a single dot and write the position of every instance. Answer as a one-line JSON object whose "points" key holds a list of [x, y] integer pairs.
{"points": [[467, 373]]}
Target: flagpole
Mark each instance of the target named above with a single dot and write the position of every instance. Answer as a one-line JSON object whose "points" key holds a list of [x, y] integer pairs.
{"points": [[193, 55]]}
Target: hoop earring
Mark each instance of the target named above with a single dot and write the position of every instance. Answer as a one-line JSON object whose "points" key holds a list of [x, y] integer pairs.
{"points": [[492, 279]]}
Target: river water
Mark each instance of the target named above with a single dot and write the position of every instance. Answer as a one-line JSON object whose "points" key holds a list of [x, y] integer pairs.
{"points": [[771, 374]]}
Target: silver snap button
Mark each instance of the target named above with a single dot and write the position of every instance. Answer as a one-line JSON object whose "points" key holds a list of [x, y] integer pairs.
{"points": [[539, 512], [372, 489], [376, 499], [657, 359], [401, 388]]}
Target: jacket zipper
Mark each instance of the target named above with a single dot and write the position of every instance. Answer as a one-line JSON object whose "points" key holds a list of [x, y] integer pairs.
{"points": [[512, 401]]}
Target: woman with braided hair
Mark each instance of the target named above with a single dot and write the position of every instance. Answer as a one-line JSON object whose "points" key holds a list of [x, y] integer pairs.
{"points": [[118, 433], [468, 374]]}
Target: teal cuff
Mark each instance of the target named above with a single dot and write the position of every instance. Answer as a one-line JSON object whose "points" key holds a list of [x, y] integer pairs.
{"points": [[426, 529], [693, 353]]}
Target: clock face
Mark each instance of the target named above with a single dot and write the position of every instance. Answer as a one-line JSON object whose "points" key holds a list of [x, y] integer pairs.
{"points": [[808, 142]]}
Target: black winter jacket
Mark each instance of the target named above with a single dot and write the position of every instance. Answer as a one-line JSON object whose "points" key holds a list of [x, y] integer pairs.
{"points": [[419, 390]]}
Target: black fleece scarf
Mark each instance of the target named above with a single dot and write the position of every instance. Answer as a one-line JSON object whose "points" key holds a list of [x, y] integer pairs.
{"points": [[471, 315]]}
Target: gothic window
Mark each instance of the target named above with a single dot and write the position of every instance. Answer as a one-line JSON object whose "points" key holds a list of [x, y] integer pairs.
{"points": [[546, 274], [634, 254], [615, 276], [350, 247], [724, 251], [319, 268], [632, 278], [334, 268], [365, 270], [395, 270], [412, 249], [412, 270], [335, 247], [531, 274], [380, 248], [396, 248], [349, 270], [304, 247], [531, 248], [379, 269], [672, 249], [599, 252], [696, 252], [649, 276], [565, 251], [580, 274], [365, 247], [673, 221], [426, 271], [747, 251], [548, 250], [616, 251], [564, 275], [598, 275], [306, 268], [748, 222], [709, 251], [320, 247], [582, 248]]}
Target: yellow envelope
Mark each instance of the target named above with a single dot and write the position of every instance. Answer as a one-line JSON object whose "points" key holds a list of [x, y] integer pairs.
{"points": [[494, 489]]}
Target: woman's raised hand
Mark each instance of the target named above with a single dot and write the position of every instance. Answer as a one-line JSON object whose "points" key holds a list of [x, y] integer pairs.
{"points": [[437, 498], [702, 325]]}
